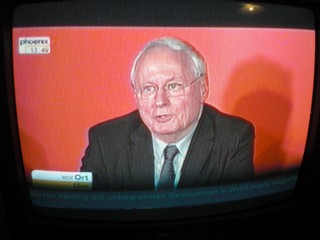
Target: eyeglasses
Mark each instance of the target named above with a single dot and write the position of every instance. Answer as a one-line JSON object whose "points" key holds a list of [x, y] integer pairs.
{"points": [[172, 89]]}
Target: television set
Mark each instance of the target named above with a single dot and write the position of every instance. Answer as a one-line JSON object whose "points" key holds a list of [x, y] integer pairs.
{"points": [[65, 67]]}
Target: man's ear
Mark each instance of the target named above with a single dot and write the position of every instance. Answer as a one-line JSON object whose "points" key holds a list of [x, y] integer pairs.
{"points": [[135, 95], [204, 88]]}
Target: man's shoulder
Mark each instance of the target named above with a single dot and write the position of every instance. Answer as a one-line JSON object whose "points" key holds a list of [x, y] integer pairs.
{"points": [[119, 124], [222, 119]]}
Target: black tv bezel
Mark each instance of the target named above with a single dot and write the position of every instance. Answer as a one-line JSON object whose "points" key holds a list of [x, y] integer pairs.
{"points": [[296, 209]]}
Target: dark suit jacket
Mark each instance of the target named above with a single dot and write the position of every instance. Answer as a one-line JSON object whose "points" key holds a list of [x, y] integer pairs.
{"points": [[120, 153]]}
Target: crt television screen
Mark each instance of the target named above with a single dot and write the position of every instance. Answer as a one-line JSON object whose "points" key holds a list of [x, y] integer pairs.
{"points": [[68, 79]]}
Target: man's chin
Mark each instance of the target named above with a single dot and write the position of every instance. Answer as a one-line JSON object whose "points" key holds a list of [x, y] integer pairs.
{"points": [[165, 132], [166, 135]]}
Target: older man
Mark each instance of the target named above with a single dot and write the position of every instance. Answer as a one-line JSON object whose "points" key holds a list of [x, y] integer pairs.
{"points": [[174, 139]]}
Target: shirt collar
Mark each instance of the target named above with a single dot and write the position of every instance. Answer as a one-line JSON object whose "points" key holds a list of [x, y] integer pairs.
{"points": [[182, 145]]}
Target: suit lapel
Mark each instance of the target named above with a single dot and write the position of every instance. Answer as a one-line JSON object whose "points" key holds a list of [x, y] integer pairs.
{"points": [[142, 158], [198, 152]]}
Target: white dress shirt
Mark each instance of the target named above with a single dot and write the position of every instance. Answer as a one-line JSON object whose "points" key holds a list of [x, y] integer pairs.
{"points": [[158, 148]]}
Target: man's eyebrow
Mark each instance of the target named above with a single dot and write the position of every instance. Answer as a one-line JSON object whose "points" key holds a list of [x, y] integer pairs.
{"points": [[172, 79], [166, 81]]}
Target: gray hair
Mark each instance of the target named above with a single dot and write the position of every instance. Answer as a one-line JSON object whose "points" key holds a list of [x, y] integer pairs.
{"points": [[199, 65]]}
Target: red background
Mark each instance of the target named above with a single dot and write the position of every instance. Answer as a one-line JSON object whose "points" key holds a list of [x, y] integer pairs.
{"points": [[263, 75]]}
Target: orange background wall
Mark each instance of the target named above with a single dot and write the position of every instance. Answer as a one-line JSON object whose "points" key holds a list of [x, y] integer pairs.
{"points": [[263, 75]]}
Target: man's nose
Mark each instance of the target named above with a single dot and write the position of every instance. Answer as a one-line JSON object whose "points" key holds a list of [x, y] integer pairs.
{"points": [[161, 98]]}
